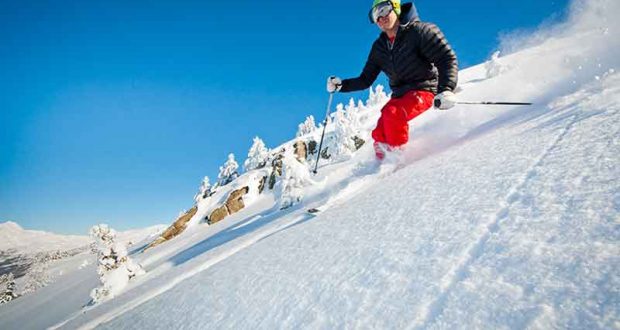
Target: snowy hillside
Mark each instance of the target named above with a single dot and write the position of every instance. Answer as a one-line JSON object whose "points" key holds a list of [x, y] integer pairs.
{"points": [[493, 217], [22, 241], [35, 259], [13, 236]]}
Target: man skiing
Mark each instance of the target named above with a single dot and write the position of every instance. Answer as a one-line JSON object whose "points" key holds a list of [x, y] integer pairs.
{"points": [[420, 64]]}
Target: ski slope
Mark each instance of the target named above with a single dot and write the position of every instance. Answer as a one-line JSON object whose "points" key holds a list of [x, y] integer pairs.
{"points": [[493, 217]]}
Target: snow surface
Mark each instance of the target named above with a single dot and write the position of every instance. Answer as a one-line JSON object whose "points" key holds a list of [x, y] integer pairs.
{"points": [[71, 278], [16, 240], [492, 217], [14, 237]]}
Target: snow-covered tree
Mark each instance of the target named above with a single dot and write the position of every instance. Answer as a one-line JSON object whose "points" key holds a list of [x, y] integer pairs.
{"points": [[204, 191], [352, 114], [307, 127], [7, 288], [37, 275], [342, 144], [295, 177], [115, 267], [258, 155], [228, 172], [377, 96]]}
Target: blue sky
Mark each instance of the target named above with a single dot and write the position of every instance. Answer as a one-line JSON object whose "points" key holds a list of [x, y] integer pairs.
{"points": [[113, 112]]}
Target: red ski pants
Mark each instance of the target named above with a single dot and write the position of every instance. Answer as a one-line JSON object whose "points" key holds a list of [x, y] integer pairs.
{"points": [[393, 127]]}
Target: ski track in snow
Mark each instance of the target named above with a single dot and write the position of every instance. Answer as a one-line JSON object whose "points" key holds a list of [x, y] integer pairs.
{"points": [[460, 270]]}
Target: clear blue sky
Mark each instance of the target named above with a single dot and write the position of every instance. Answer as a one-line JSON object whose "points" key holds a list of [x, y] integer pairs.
{"points": [[113, 111]]}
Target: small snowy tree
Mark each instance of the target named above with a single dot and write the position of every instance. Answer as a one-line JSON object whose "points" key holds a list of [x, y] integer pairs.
{"points": [[352, 114], [204, 191], [307, 127], [258, 155], [228, 172], [7, 288], [295, 177], [342, 144], [377, 97], [37, 275], [115, 267]]}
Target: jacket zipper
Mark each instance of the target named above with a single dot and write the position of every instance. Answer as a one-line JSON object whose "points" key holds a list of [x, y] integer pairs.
{"points": [[391, 51]]}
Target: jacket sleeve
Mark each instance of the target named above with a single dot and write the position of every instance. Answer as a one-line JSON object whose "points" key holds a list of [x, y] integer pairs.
{"points": [[434, 47], [369, 75]]}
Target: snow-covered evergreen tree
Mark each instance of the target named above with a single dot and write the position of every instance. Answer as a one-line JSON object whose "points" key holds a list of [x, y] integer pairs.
{"points": [[295, 176], [115, 267], [258, 155], [307, 127], [228, 172], [204, 191], [37, 275], [352, 114], [377, 96], [7, 288], [342, 144]]}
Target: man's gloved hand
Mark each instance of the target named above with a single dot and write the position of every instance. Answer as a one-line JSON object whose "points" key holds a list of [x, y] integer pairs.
{"points": [[334, 84], [444, 100]]}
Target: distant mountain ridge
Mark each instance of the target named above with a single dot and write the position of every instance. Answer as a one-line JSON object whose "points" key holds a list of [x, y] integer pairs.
{"points": [[25, 241], [14, 237]]}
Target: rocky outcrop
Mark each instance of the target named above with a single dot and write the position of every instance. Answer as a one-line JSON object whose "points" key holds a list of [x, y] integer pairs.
{"points": [[175, 229], [261, 184], [301, 151], [312, 147], [234, 203], [359, 142], [218, 215], [276, 169]]}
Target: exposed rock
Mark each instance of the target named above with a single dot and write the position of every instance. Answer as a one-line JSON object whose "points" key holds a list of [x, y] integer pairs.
{"points": [[272, 180], [175, 229], [276, 166], [301, 151], [238, 193], [218, 214], [312, 147], [277, 162], [234, 203], [261, 184], [325, 154], [359, 142]]}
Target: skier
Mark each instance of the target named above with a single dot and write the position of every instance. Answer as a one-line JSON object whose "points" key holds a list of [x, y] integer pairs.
{"points": [[420, 64]]}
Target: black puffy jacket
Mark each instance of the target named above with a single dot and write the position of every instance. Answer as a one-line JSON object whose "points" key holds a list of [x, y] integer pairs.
{"points": [[419, 59]]}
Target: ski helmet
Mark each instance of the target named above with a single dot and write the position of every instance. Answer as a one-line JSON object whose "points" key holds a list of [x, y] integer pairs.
{"points": [[395, 5]]}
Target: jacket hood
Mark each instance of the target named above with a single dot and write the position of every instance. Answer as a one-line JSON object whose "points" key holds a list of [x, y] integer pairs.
{"points": [[408, 14]]}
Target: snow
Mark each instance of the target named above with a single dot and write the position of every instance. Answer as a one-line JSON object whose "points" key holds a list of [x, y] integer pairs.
{"points": [[492, 217], [23, 241], [70, 279], [14, 237]]}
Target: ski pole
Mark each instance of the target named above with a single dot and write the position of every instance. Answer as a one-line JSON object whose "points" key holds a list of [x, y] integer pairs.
{"points": [[438, 103], [318, 156]]}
